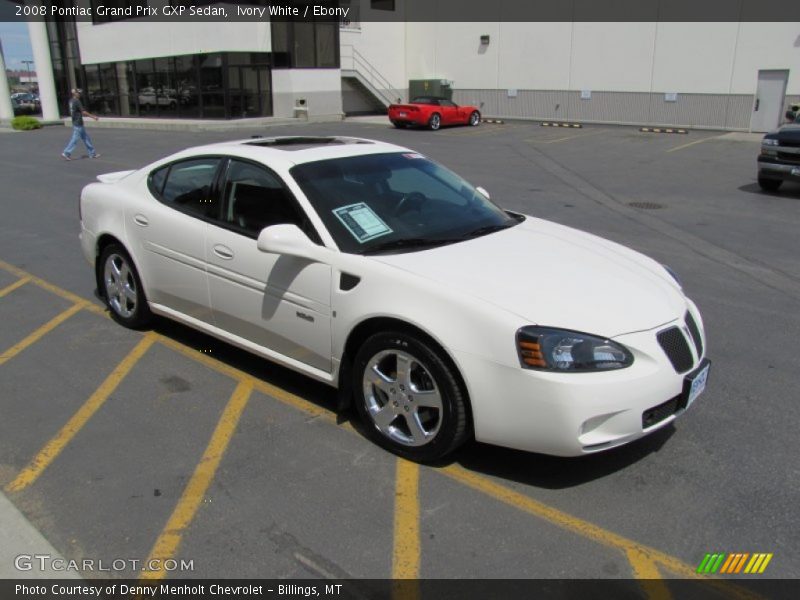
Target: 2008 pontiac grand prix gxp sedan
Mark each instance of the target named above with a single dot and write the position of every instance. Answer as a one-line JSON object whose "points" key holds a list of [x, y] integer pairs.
{"points": [[371, 268]]}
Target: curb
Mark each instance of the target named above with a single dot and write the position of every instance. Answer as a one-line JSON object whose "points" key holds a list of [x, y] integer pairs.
{"points": [[497, 121], [552, 124], [662, 130]]}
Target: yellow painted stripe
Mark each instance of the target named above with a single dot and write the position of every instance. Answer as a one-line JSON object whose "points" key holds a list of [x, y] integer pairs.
{"points": [[41, 332], [764, 564], [645, 569], [741, 562], [405, 561], [752, 562], [55, 446], [480, 483], [170, 539], [586, 529], [53, 289], [759, 559], [17, 284], [727, 563]]}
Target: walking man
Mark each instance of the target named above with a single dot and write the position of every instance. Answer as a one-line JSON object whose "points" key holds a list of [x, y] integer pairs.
{"points": [[77, 112]]}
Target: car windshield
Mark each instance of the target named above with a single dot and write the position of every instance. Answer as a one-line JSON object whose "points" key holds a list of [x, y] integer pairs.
{"points": [[398, 202]]}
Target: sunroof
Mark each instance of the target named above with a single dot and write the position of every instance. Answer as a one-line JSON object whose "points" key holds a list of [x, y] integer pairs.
{"points": [[303, 142]]}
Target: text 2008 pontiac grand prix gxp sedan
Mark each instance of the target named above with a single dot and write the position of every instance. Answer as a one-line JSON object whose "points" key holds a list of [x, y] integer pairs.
{"points": [[371, 268]]}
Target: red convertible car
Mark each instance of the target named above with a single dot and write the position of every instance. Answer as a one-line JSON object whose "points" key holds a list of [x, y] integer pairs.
{"points": [[433, 112]]}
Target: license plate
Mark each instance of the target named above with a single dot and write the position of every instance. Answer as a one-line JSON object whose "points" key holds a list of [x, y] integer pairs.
{"points": [[402, 114], [697, 384]]}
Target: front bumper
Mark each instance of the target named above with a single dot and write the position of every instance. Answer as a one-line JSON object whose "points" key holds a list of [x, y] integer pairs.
{"points": [[571, 414], [773, 168]]}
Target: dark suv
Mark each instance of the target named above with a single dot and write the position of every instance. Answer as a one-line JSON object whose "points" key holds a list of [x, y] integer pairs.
{"points": [[779, 160]]}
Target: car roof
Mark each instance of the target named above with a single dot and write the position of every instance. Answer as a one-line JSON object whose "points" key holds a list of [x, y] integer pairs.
{"points": [[294, 150]]}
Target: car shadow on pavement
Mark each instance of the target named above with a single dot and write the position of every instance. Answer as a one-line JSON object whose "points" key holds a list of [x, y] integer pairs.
{"points": [[313, 391], [555, 472], [788, 189], [538, 470]]}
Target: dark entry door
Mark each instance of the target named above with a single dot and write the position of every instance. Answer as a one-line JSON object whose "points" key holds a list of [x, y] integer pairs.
{"points": [[249, 91]]}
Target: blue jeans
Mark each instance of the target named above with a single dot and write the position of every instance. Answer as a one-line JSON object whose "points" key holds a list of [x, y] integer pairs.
{"points": [[79, 133]]}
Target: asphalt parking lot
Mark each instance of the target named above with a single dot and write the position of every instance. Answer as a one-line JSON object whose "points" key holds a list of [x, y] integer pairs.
{"points": [[168, 444]]}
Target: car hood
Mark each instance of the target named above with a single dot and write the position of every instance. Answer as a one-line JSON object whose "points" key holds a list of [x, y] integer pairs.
{"points": [[787, 133], [552, 275]]}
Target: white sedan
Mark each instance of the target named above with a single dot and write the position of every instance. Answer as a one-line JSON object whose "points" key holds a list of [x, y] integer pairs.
{"points": [[371, 268]]}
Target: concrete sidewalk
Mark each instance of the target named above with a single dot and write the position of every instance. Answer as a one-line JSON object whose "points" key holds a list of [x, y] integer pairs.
{"points": [[21, 539]]}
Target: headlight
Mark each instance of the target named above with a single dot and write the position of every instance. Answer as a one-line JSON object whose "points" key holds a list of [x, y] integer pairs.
{"points": [[769, 142], [548, 349]]}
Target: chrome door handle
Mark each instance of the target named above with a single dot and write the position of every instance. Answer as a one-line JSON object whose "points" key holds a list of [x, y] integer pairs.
{"points": [[223, 252], [141, 220]]}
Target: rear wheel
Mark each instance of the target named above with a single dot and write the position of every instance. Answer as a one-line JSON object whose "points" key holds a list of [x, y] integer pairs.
{"points": [[769, 185], [408, 397], [435, 122], [122, 288], [475, 119]]}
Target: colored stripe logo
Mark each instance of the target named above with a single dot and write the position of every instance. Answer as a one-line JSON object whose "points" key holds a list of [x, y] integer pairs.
{"points": [[734, 563]]}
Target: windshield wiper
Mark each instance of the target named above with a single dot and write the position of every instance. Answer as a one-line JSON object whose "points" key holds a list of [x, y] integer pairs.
{"points": [[409, 243], [485, 230]]}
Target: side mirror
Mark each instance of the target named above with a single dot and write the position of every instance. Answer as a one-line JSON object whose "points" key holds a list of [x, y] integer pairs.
{"points": [[483, 192], [289, 240]]}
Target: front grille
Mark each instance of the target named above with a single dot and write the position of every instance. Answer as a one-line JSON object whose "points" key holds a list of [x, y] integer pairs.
{"points": [[789, 157], [676, 348], [658, 413], [695, 333], [790, 143]]}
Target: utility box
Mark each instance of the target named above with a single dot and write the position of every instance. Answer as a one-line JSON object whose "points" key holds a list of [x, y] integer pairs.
{"points": [[441, 88]]}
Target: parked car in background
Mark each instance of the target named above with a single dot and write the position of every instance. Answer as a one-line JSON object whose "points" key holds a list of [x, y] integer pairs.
{"points": [[372, 268], [28, 103], [433, 112], [779, 159], [150, 97]]}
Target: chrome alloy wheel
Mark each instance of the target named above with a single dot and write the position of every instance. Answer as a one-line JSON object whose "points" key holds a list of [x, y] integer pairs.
{"points": [[120, 285], [435, 122], [474, 119], [402, 398]]}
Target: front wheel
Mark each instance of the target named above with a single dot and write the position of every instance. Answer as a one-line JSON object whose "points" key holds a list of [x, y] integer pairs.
{"points": [[475, 119], [408, 397], [435, 122], [122, 288], [769, 185]]}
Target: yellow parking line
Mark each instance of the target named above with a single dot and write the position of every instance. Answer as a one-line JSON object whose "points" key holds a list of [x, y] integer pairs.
{"points": [[645, 570], [17, 284], [711, 137], [53, 289], [39, 333], [169, 541], [54, 447], [406, 554], [588, 530], [477, 482], [405, 562]]}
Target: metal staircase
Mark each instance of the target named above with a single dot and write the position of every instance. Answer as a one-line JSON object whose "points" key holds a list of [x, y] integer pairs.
{"points": [[368, 78]]}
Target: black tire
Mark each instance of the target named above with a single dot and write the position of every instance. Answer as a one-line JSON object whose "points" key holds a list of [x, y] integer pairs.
{"points": [[435, 122], [769, 185], [397, 403], [120, 286], [475, 119]]}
